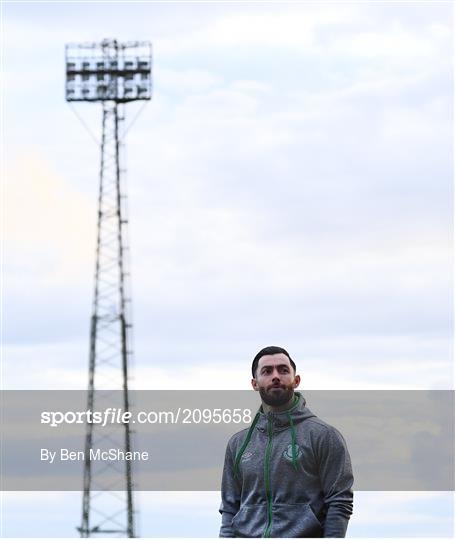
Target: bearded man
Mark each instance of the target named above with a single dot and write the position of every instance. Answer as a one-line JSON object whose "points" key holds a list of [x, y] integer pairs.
{"points": [[288, 475]]}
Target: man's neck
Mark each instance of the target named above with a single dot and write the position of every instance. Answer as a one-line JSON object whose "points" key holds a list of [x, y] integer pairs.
{"points": [[268, 408]]}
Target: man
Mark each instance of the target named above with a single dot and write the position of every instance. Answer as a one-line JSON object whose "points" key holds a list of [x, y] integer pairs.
{"points": [[289, 474]]}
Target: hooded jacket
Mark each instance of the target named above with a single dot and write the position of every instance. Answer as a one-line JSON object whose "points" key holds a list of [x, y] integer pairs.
{"points": [[288, 475]]}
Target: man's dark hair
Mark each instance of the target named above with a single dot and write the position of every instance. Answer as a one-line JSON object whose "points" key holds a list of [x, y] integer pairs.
{"points": [[272, 349]]}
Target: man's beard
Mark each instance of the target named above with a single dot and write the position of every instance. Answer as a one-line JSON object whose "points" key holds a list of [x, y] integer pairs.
{"points": [[277, 399]]}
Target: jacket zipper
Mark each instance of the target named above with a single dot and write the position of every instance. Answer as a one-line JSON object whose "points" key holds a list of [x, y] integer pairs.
{"points": [[267, 479]]}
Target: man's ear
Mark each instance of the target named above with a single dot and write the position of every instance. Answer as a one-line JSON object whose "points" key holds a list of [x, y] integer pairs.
{"points": [[296, 381], [254, 384]]}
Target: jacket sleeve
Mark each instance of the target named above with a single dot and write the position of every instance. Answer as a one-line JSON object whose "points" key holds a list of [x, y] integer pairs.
{"points": [[230, 495], [336, 477]]}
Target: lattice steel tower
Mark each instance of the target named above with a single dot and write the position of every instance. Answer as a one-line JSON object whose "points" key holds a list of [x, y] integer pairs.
{"points": [[113, 74]]}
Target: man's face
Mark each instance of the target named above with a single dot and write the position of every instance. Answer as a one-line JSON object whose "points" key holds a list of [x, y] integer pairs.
{"points": [[275, 379]]}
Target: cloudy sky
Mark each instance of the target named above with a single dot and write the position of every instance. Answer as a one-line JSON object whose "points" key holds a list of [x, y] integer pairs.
{"points": [[289, 183]]}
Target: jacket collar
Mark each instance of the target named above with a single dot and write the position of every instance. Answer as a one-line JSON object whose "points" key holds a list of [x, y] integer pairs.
{"points": [[282, 420]]}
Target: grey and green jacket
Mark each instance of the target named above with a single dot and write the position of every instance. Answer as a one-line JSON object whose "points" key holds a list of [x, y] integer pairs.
{"points": [[288, 475]]}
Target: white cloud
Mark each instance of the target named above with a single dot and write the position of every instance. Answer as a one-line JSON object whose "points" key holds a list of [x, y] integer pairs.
{"points": [[376, 362], [392, 508], [185, 81], [395, 42], [421, 126], [288, 27], [48, 225]]}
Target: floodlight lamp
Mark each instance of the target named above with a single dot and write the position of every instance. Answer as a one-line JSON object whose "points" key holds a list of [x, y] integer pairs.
{"points": [[92, 66]]}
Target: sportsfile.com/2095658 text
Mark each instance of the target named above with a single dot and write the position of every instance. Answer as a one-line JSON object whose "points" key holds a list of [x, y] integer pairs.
{"points": [[113, 415]]}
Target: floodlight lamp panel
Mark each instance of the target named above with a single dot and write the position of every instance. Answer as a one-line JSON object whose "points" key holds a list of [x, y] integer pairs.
{"points": [[116, 64]]}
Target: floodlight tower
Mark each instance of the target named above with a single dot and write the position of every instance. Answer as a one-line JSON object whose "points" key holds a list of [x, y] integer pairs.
{"points": [[113, 74]]}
